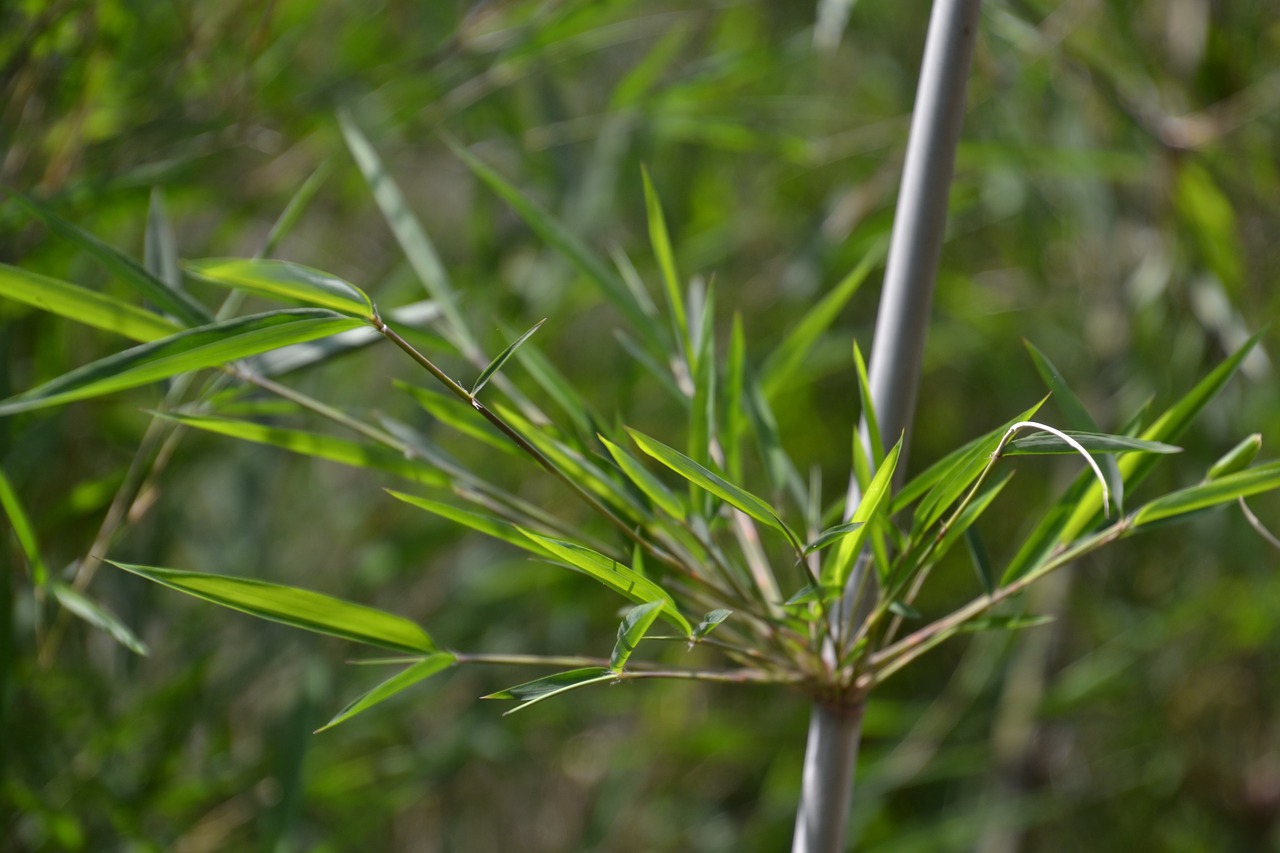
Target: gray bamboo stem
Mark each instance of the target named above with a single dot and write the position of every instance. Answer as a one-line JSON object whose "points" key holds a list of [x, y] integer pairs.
{"points": [[896, 356]]}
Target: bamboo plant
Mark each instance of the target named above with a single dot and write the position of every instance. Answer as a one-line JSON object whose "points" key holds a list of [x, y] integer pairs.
{"points": [[710, 534]]}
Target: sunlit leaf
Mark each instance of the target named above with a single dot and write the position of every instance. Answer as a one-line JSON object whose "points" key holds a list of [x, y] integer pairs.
{"points": [[831, 535], [194, 349], [632, 630], [284, 279], [653, 488], [487, 524], [1237, 458], [397, 683], [83, 305], [1250, 481], [873, 501], [23, 530], [300, 608]]}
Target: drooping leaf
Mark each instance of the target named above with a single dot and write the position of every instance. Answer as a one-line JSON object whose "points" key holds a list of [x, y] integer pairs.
{"points": [[397, 683], [632, 630], [300, 608], [496, 365], [83, 305], [487, 524], [207, 346], [170, 299], [710, 621], [285, 279], [99, 617], [1046, 443], [1237, 458], [533, 692], [329, 447], [617, 577], [1250, 481], [23, 530], [735, 496]]}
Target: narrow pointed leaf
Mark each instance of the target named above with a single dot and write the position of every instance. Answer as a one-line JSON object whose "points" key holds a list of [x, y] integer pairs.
{"points": [[981, 562], [1047, 443], [813, 592], [873, 501], [487, 524], [1004, 623], [632, 630], [735, 496], [533, 692], [832, 535], [23, 530], [83, 305], [300, 608], [317, 445], [1250, 481], [710, 621], [1073, 410], [612, 574], [296, 207], [160, 247], [397, 683], [278, 279], [868, 408], [734, 408], [784, 362], [194, 349], [99, 617], [455, 413], [172, 300], [653, 488], [661, 243], [496, 364]]}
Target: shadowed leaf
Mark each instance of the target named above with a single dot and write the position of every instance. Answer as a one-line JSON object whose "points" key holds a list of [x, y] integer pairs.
{"points": [[397, 683]]}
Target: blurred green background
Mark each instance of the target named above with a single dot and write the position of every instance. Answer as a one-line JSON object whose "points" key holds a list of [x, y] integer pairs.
{"points": [[1116, 202]]}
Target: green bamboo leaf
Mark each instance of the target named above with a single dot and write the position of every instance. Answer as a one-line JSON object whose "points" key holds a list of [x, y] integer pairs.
{"points": [[99, 617], [868, 408], [83, 305], [496, 364], [533, 692], [661, 243], [207, 346], [1251, 481], [451, 411], [1004, 623], [709, 622], [559, 389], [1047, 443], [813, 592], [632, 630], [288, 359], [653, 488], [23, 530], [735, 496], [904, 611], [831, 535], [971, 513], [1237, 458], [317, 445], [296, 207], [409, 233], [566, 243], [981, 562], [1073, 409], [487, 524], [160, 245], [617, 577], [786, 360], [300, 608], [873, 501], [278, 279], [172, 300], [397, 683]]}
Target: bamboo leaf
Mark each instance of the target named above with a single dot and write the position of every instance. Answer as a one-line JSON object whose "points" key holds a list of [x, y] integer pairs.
{"points": [[661, 243], [735, 496], [1004, 623], [1047, 443], [710, 621], [99, 617], [1251, 481], [451, 411], [160, 245], [487, 524], [297, 205], [612, 574], [83, 305], [285, 279], [496, 364], [23, 530], [787, 359], [874, 499], [533, 692], [981, 562], [1072, 409], [317, 445], [300, 608], [397, 683], [172, 300], [653, 488], [831, 535], [1237, 458], [632, 630], [194, 349], [868, 408]]}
